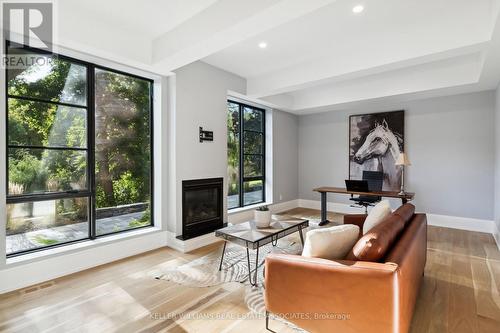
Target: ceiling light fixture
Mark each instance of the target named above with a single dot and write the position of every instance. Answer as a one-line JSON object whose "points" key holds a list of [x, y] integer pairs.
{"points": [[262, 45], [358, 9]]}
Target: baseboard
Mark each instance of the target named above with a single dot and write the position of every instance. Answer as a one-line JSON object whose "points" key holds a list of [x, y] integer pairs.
{"points": [[454, 222], [189, 245], [235, 218], [462, 223], [496, 235]]}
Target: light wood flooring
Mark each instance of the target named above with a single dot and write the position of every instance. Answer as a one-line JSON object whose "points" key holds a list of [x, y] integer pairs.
{"points": [[460, 293]]}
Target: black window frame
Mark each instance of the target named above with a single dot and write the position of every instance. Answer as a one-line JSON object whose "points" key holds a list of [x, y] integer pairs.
{"points": [[241, 163], [90, 192]]}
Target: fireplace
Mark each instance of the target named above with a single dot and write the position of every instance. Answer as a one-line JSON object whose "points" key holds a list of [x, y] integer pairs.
{"points": [[201, 207]]}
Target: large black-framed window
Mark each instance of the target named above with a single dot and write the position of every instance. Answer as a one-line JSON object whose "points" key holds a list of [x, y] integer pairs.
{"points": [[79, 151], [246, 154]]}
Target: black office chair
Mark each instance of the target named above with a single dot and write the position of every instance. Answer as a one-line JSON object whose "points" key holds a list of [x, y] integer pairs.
{"points": [[375, 180]]}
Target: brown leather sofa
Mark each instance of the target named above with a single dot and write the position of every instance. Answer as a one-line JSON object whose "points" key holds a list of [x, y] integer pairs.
{"points": [[373, 290]]}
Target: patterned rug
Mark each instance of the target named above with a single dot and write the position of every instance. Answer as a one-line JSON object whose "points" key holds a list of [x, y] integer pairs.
{"points": [[204, 271]]}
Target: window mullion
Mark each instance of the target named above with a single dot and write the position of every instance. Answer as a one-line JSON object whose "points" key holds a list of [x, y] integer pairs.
{"points": [[242, 172], [263, 149], [91, 151], [41, 100]]}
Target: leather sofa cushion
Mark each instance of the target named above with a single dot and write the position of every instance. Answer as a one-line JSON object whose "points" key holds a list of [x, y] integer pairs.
{"points": [[375, 244], [406, 212]]}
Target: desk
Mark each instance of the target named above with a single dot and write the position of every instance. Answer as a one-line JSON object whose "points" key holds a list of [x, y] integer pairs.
{"points": [[340, 190]]}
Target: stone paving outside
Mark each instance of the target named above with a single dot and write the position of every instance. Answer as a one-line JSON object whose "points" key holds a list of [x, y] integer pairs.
{"points": [[256, 196], [67, 233], [70, 232]]}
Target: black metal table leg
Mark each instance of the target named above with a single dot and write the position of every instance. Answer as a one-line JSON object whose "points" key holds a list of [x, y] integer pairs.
{"points": [[249, 268], [301, 237], [222, 257], [324, 219], [256, 267], [254, 283]]}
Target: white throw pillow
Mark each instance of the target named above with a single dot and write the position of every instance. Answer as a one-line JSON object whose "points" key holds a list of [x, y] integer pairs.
{"points": [[330, 243], [377, 214]]}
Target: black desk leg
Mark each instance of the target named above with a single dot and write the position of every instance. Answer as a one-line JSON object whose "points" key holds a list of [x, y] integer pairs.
{"points": [[324, 220]]}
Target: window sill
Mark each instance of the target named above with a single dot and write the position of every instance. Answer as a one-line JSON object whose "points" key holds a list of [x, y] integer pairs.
{"points": [[83, 245], [247, 208]]}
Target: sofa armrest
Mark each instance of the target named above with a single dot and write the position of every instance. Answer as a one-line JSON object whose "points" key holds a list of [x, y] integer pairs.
{"points": [[346, 296]]}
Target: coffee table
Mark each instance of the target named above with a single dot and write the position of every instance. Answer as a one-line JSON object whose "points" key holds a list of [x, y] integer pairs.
{"points": [[247, 234]]}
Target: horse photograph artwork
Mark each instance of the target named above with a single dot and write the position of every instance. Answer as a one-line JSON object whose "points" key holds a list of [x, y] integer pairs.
{"points": [[375, 142]]}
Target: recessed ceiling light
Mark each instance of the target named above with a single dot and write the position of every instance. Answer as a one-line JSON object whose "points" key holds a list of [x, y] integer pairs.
{"points": [[358, 9], [262, 45]]}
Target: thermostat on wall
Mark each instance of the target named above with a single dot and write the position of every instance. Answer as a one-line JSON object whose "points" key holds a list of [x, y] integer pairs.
{"points": [[206, 135]]}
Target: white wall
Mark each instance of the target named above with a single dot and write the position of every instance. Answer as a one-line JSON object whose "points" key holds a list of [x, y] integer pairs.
{"points": [[285, 156], [201, 92], [450, 141], [201, 95]]}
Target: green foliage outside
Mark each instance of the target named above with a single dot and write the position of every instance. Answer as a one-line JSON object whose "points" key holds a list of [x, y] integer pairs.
{"points": [[45, 241], [143, 221], [233, 148], [122, 140], [253, 144]]}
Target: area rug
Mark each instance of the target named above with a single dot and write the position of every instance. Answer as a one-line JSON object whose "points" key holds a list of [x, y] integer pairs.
{"points": [[204, 271]]}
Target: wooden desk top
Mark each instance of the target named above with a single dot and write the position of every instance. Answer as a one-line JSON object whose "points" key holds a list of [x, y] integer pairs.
{"points": [[387, 194]]}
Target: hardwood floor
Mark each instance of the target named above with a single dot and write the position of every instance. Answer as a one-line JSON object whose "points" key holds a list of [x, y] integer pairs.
{"points": [[460, 293]]}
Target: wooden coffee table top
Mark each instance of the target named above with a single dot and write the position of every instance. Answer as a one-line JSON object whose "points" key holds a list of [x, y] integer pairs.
{"points": [[247, 234]]}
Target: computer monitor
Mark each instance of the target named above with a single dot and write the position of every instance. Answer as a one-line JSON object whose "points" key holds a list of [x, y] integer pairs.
{"points": [[375, 180]]}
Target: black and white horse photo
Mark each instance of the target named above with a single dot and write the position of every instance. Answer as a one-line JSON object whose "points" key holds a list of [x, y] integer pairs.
{"points": [[375, 142]]}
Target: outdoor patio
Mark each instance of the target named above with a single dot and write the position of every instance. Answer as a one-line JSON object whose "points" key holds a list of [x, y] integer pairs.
{"points": [[68, 233]]}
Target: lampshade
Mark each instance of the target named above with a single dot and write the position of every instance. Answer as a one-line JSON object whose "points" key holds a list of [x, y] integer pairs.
{"points": [[403, 159]]}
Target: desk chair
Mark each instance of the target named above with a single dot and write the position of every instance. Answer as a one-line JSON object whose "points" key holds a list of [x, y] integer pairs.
{"points": [[375, 181]]}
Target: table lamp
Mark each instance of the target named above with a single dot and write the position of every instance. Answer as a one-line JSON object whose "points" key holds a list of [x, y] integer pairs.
{"points": [[402, 161]]}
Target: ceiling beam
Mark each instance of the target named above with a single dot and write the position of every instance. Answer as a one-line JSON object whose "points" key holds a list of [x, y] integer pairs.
{"points": [[325, 71], [458, 71], [223, 24], [490, 75]]}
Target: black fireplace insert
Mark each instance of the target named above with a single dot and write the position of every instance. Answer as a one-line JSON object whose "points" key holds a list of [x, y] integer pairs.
{"points": [[201, 207]]}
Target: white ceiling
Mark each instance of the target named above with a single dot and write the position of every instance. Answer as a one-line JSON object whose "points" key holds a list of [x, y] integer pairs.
{"points": [[150, 18], [320, 55], [387, 31]]}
